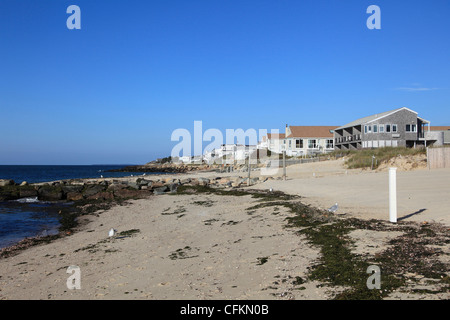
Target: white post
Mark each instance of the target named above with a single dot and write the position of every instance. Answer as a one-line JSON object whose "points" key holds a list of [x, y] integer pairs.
{"points": [[393, 195]]}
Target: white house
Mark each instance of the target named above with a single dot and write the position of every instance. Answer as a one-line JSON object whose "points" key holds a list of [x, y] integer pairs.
{"points": [[306, 140]]}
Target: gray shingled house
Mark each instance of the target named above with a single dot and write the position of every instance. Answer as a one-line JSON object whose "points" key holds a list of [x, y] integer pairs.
{"points": [[399, 127]]}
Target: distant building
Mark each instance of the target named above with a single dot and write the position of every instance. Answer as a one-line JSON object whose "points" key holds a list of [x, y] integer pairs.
{"points": [[275, 142], [229, 154], [395, 128]]}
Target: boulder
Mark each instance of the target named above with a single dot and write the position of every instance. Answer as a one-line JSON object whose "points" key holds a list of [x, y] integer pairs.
{"points": [[203, 181], [185, 181], [126, 193], [133, 185], [74, 196], [69, 188], [92, 190], [50, 193], [157, 184], [27, 191], [6, 182], [9, 193], [143, 182], [160, 190], [117, 186], [104, 195]]}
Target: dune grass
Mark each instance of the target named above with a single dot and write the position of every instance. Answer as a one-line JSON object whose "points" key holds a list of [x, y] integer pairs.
{"points": [[363, 158]]}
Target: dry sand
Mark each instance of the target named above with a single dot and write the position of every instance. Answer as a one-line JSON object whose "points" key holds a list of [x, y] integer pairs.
{"points": [[188, 247], [210, 247], [422, 194]]}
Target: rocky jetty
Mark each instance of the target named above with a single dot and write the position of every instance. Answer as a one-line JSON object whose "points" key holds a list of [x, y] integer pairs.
{"points": [[165, 168], [109, 189]]}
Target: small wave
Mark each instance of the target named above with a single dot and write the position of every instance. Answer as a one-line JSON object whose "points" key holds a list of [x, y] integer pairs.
{"points": [[27, 200]]}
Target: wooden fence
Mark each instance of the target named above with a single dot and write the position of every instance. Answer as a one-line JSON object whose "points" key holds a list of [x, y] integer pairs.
{"points": [[438, 158]]}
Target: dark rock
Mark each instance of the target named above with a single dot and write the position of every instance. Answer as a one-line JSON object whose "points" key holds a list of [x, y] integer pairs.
{"points": [[27, 192], [50, 193], [92, 190], [127, 193], [74, 196], [143, 182], [104, 195], [133, 185], [72, 188], [9, 192], [160, 190]]}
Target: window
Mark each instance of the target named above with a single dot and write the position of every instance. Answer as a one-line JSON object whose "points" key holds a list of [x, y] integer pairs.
{"points": [[299, 143], [408, 128], [394, 128], [381, 128], [375, 128], [312, 143], [388, 128], [290, 143], [365, 129], [329, 143]]}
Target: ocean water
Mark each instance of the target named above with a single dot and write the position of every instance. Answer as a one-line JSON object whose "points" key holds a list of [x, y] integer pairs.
{"points": [[29, 217], [34, 174]]}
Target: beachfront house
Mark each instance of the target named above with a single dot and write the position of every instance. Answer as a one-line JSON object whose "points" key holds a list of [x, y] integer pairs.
{"points": [[398, 127], [308, 140]]}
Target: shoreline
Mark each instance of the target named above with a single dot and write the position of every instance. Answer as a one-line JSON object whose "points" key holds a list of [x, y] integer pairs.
{"points": [[190, 238]]}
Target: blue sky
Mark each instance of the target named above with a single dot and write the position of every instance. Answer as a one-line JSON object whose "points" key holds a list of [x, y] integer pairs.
{"points": [[114, 91]]}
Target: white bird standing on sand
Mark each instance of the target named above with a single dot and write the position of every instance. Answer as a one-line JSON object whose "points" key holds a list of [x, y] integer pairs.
{"points": [[111, 232], [271, 190], [334, 208]]}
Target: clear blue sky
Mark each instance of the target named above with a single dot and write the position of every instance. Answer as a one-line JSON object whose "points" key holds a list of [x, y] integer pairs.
{"points": [[114, 91]]}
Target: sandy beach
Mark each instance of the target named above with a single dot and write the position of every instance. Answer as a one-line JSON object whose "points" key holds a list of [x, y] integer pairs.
{"points": [[209, 246]]}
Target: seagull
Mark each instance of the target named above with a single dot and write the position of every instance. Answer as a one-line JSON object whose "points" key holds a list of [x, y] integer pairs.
{"points": [[101, 176], [334, 208], [111, 232], [270, 189]]}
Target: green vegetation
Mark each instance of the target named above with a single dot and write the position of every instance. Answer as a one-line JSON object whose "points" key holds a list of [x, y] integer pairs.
{"points": [[363, 158]]}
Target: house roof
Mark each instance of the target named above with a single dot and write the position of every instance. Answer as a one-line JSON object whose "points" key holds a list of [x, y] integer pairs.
{"points": [[311, 131], [439, 128], [276, 136], [376, 117]]}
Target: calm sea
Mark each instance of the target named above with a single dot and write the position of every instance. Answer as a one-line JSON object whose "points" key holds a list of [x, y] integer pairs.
{"points": [[28, 217]]}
